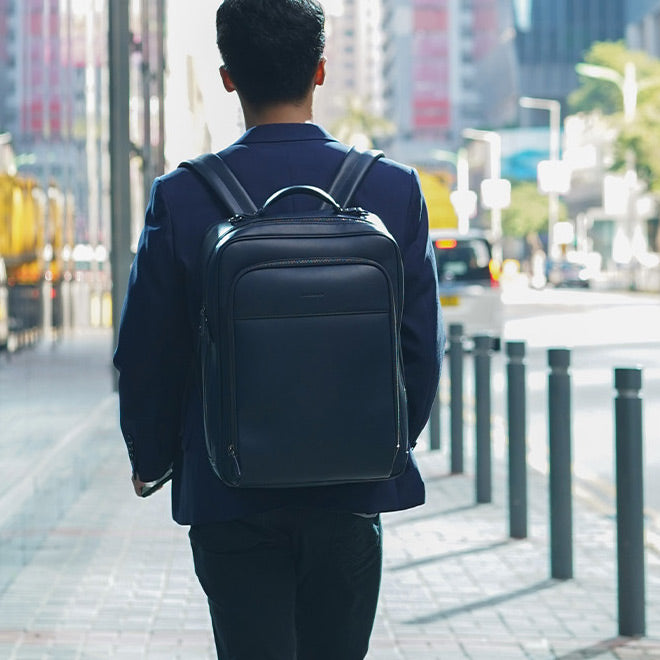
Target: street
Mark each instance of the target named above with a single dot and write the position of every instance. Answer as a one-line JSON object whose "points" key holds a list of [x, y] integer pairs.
{"points": [[604, 331]]}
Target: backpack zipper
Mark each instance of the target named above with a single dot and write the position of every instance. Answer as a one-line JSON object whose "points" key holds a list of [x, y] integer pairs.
{"points": [[352, 213], [231, 450]]}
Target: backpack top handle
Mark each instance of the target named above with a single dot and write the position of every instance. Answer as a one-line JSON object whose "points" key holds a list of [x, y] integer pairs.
{"points": [[301, 190]]}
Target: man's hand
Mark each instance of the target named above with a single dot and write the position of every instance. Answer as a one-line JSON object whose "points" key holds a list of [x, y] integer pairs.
{"points": [[137, 484], [144, 489]]}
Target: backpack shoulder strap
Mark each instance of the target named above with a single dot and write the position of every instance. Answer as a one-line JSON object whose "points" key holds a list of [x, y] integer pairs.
{"points": [[222, 182], [353, 169]]}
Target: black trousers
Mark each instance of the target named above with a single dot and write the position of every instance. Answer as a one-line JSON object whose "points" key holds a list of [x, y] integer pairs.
{"points": [[291, 584]]}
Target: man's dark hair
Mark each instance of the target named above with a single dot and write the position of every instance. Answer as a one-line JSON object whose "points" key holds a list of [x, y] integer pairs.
{"points": [[271, 48]]}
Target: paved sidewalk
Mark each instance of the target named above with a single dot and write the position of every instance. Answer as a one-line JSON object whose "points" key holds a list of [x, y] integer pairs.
{"points": [[113, 577]]}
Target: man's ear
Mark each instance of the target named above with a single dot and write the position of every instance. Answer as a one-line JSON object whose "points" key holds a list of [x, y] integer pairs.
{"points": [[319, 76], [226, 79]]}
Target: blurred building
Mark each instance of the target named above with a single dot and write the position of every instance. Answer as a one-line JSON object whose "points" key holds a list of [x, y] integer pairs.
{"points": [[643, 25], [194, 94], [423, 85], [8, 109], [147, 63], [440, 59], [353, 90], [552, 36], [495, 61], [53, 98]]}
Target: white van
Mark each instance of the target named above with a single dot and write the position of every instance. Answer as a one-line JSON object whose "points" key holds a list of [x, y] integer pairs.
{"points": [[468, 280]]}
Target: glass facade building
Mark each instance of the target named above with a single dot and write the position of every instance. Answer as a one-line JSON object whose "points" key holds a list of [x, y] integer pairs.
{"points": [[552, 36], [643, 25], [636, 10], [436, 75]]}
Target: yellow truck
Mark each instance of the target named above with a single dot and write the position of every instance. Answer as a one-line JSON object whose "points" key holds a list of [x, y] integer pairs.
{"points": [[31, 241], [436, 189]]}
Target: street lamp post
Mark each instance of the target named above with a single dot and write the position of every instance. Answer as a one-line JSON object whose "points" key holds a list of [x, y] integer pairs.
{"points": [[550, 176], [495, 191], [629, 88], [463, 199], [120, 155], [627, 83]]}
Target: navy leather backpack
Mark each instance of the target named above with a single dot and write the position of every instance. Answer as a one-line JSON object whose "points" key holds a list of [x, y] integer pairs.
{"points": [[301, 371]]}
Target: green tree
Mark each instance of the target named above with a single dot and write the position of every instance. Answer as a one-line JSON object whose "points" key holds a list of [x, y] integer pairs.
{"points": [[528, 212], [642, 135], [359, 125], [596, 94]]}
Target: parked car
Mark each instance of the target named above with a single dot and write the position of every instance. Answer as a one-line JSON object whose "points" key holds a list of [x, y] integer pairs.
{"points": [[568, 273], [468, 278]]}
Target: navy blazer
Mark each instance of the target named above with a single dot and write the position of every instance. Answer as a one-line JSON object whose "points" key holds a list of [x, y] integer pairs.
{"points": [[159, 390]]}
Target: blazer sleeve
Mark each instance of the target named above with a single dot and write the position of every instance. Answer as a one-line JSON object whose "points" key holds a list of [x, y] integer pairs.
{"points": [[153, 353], [422, 331]]}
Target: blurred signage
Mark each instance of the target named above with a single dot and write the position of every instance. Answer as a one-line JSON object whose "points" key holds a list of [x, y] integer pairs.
{"points": [[554, 176], [496, 193], [464, 202], [431, 71], [615, 195]]}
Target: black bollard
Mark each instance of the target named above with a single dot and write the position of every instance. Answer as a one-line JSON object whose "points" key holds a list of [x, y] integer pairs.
{"points": [[517, 419], [483, 470], [561, 513], [456, 396], [434, 423], [629, 501]]}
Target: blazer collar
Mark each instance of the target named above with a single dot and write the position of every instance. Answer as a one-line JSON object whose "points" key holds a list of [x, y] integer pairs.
{"points": [[284, 133]]}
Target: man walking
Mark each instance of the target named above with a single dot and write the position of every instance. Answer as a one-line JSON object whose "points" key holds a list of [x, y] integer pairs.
{"points": [[290, 573]]}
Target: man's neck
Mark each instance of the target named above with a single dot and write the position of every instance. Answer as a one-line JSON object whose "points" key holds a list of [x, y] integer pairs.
{"points": [[284, 113]]}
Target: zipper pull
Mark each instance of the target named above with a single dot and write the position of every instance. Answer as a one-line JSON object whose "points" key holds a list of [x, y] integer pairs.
{"points": [[242, 217], [237, 468], [356, 211]]}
